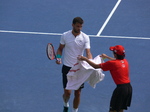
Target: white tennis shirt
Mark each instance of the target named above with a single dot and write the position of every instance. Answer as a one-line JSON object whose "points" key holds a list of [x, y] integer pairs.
{"points": [[74, 46]]}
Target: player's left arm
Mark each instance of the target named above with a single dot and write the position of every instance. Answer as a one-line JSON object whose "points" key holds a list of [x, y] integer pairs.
{"points": [[59, 53], [88, 53]]}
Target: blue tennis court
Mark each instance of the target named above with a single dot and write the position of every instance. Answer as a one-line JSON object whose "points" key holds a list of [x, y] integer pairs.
{"points": [[29, 82]]}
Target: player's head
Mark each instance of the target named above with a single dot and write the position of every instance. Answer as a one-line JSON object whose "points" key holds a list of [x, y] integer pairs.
{"points": [[77, 20], [118, 51], [77, 24]]}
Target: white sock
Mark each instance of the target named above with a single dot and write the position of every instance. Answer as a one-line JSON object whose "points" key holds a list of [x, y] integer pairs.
{"points": [[75, 110], [66, 104]]}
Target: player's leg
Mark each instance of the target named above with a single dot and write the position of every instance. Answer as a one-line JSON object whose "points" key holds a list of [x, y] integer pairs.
{"points": [[66, 97], [67, 93], [76, 100]]}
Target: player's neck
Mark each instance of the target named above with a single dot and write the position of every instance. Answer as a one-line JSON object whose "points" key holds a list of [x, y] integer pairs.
{"points": [[75, 34]]}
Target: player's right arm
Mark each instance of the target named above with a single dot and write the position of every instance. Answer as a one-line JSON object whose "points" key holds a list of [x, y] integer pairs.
{"points": [[94, 65], [104, 56], [59, 53]]}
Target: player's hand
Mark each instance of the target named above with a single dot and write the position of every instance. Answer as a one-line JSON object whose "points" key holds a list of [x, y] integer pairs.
{"points": [[104, 56], [58, 61], [81, 58]]}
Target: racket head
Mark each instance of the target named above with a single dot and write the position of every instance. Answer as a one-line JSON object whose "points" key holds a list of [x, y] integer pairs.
{"points": [[50, 51]]}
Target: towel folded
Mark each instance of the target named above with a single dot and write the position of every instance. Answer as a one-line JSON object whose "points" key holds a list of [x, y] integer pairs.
{"points": [[82, 72]]}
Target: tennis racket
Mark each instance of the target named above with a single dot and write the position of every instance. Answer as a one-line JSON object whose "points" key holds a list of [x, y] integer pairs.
{"points": [[50, 51]]}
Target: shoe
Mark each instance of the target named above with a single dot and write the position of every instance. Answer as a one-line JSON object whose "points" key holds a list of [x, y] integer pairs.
{"points": [[66, 109]]}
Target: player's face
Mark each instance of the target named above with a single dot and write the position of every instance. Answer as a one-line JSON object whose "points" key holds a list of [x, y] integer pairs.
{"points": [[115, 56], [77, 27]]}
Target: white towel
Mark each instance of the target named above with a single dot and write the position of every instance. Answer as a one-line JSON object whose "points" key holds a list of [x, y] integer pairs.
{"points": [[82, 72]]}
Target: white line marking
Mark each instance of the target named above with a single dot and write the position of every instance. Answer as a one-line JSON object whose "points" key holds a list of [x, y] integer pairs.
{"points": [[39, 33], [123, 37], [42, 33], [108, 18]]}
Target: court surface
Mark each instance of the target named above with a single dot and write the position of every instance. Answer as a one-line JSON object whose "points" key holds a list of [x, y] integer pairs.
{"points": [[29, 82]]}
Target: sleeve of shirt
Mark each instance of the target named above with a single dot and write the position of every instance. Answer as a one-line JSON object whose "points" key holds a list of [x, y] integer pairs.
{"points": [[62, 41], [106, 66], [87, 43]]}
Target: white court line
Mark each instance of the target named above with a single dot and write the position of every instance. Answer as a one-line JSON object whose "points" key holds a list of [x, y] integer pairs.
{"points": [[42, 33], [108, 18], [123, 37], [25, 32]]}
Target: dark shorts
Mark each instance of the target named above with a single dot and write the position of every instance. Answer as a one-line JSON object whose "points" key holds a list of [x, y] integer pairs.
{"points": [[121, 98], [65, 70]]}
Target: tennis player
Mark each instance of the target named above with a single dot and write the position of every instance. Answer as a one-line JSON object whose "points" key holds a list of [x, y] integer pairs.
{"points": [[119, 70], [73, 42]]}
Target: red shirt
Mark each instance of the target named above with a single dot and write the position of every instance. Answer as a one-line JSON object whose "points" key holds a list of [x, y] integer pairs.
{"points": [[119, 70]]}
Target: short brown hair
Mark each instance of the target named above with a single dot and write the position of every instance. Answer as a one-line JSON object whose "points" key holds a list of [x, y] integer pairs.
{"points": [[77, 20]]}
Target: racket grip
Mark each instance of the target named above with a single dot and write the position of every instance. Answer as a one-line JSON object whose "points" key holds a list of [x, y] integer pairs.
{"points": [[58, 60]]}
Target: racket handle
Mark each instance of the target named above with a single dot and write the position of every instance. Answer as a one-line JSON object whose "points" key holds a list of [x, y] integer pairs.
{"points": [[58, 60]]}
